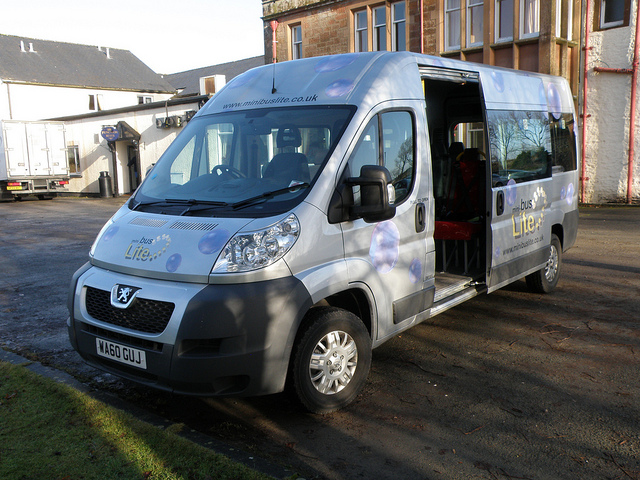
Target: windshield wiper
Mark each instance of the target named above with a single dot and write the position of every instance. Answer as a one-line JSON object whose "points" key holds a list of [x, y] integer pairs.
{"points": [[181, 201], [266, 195]]}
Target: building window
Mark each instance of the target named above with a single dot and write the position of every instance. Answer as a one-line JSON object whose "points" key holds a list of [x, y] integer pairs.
{"points": [[613, 13], [94, 102], [564, 9], [399, 27], [529, 18], [380, 28], [475, 23], [504, 20], [142, 99], [296, 42], [452, 24], [361, 30], [73, 159]]}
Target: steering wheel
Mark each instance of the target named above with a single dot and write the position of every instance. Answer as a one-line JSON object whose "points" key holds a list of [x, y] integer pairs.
{"points": [[226, 170]]}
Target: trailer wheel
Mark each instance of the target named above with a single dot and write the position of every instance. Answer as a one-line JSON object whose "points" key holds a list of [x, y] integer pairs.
{"points": [[546, 279], [331, 360]]}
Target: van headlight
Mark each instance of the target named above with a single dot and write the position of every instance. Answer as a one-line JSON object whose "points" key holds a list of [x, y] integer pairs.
{"points": [[254, 250]]}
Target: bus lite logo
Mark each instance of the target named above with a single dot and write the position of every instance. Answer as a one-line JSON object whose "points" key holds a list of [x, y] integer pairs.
{"points": [[523, 220], [122, 296], [147, 248]]}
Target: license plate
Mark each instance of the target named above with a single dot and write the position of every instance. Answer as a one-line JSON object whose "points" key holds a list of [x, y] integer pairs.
{"points": [[14, 188], [121, 353]]}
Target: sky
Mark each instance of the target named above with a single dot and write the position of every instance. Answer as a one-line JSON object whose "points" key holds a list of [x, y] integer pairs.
{"points": [[169, 36]]}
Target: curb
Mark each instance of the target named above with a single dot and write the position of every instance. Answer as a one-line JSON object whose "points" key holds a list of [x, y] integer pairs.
{"points": [[251, 461]]}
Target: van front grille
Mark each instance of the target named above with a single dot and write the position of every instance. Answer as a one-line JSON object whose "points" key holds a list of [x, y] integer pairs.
{"points": [[147, 316]]}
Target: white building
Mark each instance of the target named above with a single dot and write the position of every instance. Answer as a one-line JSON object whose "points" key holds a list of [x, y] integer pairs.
{"points": [[143, 134], [41, 79], [93, 90], [611, 154]]}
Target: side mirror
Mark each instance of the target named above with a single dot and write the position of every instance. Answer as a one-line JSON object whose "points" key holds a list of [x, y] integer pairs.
{"points": [[376, 194]]}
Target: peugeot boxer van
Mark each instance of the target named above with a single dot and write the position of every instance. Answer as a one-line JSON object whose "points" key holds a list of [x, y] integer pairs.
{"points": [[316, 208]]}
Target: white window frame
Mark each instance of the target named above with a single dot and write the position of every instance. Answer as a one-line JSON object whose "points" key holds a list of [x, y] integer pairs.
{"points": [[452, 19], [479, 5], [379, 29], [535, 26], [360, 32], [395, 22], [568, 16], [296, 42], [617, 23], [498, 15]]}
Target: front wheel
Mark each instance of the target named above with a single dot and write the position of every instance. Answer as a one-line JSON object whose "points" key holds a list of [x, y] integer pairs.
{"points": [[546, 279], [331, 360]]}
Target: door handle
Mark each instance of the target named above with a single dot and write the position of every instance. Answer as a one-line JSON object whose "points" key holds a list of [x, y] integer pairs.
{"points": [[421, 214], [499, 203]]}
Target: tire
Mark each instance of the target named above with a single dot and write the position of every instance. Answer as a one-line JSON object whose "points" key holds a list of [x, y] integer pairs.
{"points": [[546, 279], [331, 360]]}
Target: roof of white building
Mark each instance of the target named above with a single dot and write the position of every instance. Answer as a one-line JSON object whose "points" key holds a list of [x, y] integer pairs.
{"points": [[190, 79], [45, 62]]}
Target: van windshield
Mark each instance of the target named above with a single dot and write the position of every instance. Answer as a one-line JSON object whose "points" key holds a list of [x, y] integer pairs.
{"points": [[248, 163]]}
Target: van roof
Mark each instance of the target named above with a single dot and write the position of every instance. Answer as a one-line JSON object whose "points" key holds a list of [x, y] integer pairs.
{"points": [[366, 79]]}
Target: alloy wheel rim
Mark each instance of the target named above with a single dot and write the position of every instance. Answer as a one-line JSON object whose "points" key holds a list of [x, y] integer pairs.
{"points": [[551, 268], [333, 362]]}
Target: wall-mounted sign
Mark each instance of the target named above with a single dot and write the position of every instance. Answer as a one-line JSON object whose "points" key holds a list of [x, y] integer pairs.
{"points": [[109, 133]]}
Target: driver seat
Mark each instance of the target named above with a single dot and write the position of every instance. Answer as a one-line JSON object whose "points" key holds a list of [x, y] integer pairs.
{"points": [[288, 167]]}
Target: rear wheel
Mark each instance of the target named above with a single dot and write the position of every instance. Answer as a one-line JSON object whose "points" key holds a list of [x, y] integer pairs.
{"points": [[331, 360], [546, 279]]}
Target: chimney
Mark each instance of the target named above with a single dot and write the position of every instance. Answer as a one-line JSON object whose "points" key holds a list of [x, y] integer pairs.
{"points": [[108, 52], [31, 49], [22, 49]]}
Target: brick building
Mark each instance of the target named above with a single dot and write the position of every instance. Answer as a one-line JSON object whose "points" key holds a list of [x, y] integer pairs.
{"points": [[534, 35]]}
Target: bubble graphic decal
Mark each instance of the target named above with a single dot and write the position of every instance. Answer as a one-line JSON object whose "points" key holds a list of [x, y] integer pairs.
{"points": [[498, 81], [415, 271], [110, 233], [496, 253], [570, 191], [213, 242], [339, 88], [563, 193], [512, 192], [333, 63], [385, 246], [555, 102], [542, 93], [173, 262], [242, 80]]}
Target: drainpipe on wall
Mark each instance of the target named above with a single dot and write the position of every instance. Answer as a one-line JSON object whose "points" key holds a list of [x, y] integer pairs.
{"points": [[421, 26], [632, 120], [274, 27], [584, 99], [632, 109]]}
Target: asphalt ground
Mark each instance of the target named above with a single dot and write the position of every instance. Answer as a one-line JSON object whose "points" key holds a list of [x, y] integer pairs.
{"points": [[508, 385]]}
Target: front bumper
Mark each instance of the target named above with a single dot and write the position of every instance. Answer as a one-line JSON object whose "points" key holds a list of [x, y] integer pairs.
{"points": [[230, 339]]}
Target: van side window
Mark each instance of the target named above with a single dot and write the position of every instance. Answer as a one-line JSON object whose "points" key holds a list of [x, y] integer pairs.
{"points": [[387, 141], [520, 146], [397, 150], [563, 142]]}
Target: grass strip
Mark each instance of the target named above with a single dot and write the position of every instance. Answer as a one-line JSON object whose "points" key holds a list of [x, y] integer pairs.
{"points": [[52, 431]]}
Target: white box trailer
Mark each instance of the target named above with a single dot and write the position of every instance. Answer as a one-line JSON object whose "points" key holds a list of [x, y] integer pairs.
{"points": [[33, 159]]}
